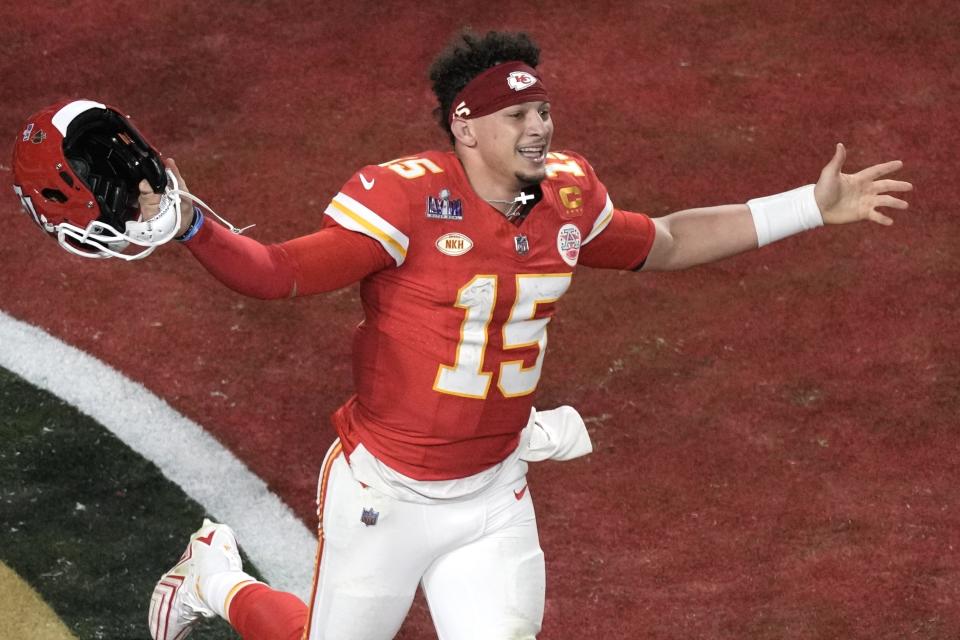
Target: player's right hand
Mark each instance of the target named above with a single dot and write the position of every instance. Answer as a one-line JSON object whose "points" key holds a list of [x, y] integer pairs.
{"points": [[150, 201]]}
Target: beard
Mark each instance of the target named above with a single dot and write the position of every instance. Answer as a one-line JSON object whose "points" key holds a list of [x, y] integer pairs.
{"points": [[531, 178]]}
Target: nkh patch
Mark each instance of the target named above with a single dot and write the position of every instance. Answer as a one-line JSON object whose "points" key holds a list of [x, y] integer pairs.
{"points": [[369, 517], [443, 208], [568, 243], [454, 244], [27, 132], [521, 244]]}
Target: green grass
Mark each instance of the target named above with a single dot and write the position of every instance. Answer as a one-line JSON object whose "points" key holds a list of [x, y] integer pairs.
{"points": [[87, 522]]}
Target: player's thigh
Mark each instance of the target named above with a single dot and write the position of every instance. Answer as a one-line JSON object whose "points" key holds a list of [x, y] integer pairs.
{"points": [[492, 588], [371, 559]]}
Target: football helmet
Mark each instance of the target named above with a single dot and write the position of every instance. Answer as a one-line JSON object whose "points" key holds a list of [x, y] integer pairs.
{"points": [[77, 166]]}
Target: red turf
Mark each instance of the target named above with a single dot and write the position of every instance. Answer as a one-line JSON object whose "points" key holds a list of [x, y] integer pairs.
{"points": [[776, 435]]}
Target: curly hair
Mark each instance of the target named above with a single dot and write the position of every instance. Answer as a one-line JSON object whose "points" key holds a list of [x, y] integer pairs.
{"points": [[469, 55]]}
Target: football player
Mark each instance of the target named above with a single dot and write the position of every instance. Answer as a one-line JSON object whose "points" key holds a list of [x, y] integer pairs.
{"points": [[462, 256]]}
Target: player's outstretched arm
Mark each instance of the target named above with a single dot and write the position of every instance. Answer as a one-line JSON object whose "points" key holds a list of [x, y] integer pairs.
{"points": [[329, 259], [698, 236]]}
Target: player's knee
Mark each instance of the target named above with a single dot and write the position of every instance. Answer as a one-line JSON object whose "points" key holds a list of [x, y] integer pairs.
{"points": [[362, 617]]}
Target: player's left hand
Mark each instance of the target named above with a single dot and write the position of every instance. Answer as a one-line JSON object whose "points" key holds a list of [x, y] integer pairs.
{"points": [[844, 197]]}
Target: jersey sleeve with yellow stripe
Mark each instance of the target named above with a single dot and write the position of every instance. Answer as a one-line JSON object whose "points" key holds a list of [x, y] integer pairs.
{"points": [[374, 203], [616, 239]]}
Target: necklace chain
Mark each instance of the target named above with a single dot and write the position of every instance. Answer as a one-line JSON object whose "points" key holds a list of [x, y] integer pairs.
{"points": [[516, 205]]}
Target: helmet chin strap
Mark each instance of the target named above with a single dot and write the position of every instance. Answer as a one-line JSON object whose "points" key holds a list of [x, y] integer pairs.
{"points": [[226, 223], [150, 233]]}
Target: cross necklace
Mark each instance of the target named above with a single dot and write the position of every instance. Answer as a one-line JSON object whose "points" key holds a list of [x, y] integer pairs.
{"points": [[516, 205]]}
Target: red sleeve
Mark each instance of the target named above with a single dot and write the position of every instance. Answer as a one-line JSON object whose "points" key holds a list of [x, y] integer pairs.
{"points": [[329, 259], [334, 257], [374, 203], [623, 244]]}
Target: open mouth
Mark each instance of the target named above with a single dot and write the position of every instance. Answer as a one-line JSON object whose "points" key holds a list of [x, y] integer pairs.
{"points": [[536, 153]]}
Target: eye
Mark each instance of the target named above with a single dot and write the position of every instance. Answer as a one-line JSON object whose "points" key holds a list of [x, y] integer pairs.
{"points": [[544, 114], [516, 115]]}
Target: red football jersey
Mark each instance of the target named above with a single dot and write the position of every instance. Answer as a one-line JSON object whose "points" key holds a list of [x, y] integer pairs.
{"points": [[450, 352]]}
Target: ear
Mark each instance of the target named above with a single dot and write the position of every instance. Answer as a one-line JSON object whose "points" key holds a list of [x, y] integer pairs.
{"points": [[463, 132]]}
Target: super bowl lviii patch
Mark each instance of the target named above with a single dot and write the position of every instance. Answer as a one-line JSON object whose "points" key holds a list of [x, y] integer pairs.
{"points": [[442, 207]]}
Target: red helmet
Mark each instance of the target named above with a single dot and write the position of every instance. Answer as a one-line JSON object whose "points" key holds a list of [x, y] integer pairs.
{"points": [[77, 166]]}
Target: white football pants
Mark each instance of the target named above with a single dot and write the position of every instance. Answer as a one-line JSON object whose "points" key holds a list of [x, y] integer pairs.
{"points": [[478, 559]]}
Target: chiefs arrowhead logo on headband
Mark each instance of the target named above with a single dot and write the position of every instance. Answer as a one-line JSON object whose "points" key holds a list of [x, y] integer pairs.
{"points": [[518, 80], [498, 87]]}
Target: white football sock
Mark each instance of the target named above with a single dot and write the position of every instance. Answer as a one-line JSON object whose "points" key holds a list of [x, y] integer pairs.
{"points": [[218, 588]]}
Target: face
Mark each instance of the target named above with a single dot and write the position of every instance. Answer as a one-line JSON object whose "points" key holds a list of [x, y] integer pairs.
{"points": [[513, 143]]}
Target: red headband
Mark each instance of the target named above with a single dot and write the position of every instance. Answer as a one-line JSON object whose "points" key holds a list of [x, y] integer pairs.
{"points": [[498, 87]]}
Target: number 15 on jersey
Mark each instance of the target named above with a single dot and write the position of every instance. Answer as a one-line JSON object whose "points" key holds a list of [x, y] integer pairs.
{"points": [[478, 297]]}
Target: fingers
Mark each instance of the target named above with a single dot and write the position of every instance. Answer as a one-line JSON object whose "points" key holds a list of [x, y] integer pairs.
{"points": [[891, 202], [885, 201], [147, 196], [171, 164], [882, 186], [880, 170], [879, 218], [836, 162]]}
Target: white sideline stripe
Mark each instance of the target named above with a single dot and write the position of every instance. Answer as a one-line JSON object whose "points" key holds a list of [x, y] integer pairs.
{"points": [[282, 547]]}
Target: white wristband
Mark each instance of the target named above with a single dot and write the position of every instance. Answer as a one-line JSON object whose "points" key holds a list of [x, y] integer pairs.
{"points": [[784, 214]]}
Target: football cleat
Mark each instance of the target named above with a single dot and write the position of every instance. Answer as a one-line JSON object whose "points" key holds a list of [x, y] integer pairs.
{"points": [[176, 605]]}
